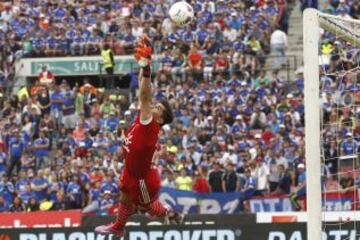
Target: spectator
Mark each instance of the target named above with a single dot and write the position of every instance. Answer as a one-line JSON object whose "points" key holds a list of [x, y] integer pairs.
{"points": [[230, 182], [57, 99], [23, 181], [40, 186], [27, 194], [41, 149], [54, 187], [355, 10], [107, 107], [300, 188], [258, 119], [106, 203], [184, 182], [112, 122], [6, 189], [201, 184], [109, 186], [194, 63], [68, 109], [349, 146], [216, 178], [347, 181], [32, 205], [3, 162], [168, 181], [262, 176], [73, 193], [284, 181], [46, 77], [3, 205], [89, 99], [60, 203], [17, 205], [108, 62], [94, 199], [16, 150], [278, 44], [43, 101], [331, 157], [249, 184]]}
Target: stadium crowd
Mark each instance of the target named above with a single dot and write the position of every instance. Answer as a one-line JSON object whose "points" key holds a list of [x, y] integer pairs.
{"points": [[237, 128]]}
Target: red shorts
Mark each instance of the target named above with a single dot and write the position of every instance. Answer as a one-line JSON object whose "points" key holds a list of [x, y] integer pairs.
{"points": [[141, 191]]}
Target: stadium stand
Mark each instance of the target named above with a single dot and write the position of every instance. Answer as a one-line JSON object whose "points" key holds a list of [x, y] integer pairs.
{"points": [[237, 128]]}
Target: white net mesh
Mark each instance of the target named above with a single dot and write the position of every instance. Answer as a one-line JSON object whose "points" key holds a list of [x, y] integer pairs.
{"points": [[340, 129]]}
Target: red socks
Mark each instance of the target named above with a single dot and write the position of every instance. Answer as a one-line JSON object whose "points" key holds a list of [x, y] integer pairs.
{"points": [[124, 212], [157, 209]]}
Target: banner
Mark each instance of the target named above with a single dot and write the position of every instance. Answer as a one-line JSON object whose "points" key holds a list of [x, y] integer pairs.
{"points": [[283, 231], [270, 204], [211, 203], [340, 202], [71, 218], [73, 66], [333, 202]]}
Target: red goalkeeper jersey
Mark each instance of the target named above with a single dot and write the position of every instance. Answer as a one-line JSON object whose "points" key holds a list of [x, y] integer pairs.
{"points": [[139, 147]]}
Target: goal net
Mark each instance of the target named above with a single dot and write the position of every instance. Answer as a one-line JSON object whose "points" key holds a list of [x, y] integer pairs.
{"points": [[332, 111]]}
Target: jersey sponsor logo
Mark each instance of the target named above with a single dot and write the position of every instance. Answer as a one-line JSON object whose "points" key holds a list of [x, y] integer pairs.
{"points": [[128, 140]]}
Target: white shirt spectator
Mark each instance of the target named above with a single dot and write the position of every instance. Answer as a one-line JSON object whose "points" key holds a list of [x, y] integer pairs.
{"points": [[167, 182], [27, 109], [210, 8], [262, 175], [278, 37], [227, 156], [137, 31], [230, 33], [261, 116], [282, 160], [166, 26], [6, 15], [274, 174]]}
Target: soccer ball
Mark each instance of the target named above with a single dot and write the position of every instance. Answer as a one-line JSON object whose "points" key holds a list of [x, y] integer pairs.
{"points": [[181, 13]]}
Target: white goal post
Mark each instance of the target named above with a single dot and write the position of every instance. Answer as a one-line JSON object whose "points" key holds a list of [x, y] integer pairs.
{"points": [[344, 29]]}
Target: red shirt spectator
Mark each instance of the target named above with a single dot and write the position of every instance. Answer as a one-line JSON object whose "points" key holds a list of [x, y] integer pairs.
{"points": [[95, 177], [267, 135], [201, 184], [221, 63], [195, 58], [46, 77]]}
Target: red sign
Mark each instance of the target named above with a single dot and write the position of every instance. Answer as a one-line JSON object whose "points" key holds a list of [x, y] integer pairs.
{"points": [[71, 218]]}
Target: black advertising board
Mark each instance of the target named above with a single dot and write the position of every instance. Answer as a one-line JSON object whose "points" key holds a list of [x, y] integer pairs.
{"points": [[265, 231], [279, 231]]}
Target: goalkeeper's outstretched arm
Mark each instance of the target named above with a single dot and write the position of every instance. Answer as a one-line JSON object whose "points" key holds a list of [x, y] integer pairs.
{"points": [[143, 56], [145, 94]]}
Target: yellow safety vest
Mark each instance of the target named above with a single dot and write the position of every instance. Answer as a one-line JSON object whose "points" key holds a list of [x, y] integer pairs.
{"points": [[23, 93], [105, 54], [327, 48]]}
